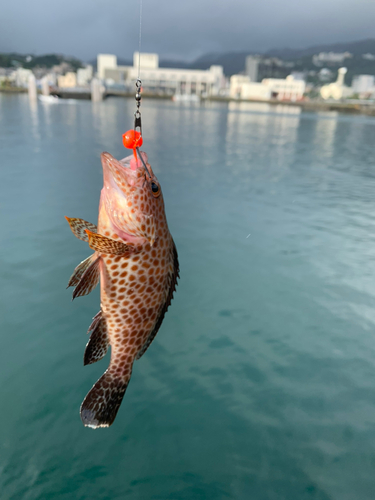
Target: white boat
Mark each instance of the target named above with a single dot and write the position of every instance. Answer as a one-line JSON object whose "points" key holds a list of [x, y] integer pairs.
{"points": [[51, 99]]}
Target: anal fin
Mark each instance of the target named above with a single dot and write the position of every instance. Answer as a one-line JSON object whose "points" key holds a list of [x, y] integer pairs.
{"points": [[89, 279], [97, 346]]}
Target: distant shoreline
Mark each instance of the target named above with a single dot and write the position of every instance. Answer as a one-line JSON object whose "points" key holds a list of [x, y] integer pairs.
{"points": [[312, 106]]}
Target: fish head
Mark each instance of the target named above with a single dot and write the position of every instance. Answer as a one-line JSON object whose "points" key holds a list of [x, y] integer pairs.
{"points": [[132, 198]]}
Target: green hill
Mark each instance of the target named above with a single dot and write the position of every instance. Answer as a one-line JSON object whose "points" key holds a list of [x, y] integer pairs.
{"points": [[29, 61]]}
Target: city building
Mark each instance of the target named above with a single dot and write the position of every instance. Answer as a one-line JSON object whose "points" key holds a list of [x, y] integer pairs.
{"points": [[67, 81], [337, 90], [286, 89], [364, 85], [259, 67], [283, 89], [84, 75], [241, 87], [21, 77], [168, 81], [105, 62], [330, 58]]}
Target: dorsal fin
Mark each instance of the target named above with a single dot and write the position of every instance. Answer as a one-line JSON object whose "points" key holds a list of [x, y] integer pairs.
{"points": [[172, 287]]}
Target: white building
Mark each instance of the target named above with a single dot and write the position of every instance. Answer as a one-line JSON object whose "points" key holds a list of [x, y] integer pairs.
{"points": [[286, 89], [162, 80], [106, 61], [363, 84], [148, 61], [241, 87], [283, 89], [337, 90], [84, 75], [21, 77]]}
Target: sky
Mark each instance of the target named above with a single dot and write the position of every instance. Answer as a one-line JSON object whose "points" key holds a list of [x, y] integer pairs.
{"points": [[179, 29]]}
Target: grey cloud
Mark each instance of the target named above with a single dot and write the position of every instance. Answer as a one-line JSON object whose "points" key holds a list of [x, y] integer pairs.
{"points": [[178, 29]]}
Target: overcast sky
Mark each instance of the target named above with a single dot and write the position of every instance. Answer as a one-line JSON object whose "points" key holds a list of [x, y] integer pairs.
{"points": [[179, 29]]}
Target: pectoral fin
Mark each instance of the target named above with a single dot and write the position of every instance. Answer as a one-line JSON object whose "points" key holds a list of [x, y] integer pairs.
{"points": [[89, 279], [97, 346], [107, 246], [78, 227]]}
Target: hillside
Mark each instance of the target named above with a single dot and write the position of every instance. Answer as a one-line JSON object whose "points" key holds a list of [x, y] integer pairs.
{"points": [[232, 62], [356, 48], [8, 60]]}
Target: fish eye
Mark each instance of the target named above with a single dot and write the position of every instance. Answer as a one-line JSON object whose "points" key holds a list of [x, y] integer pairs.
{"points": [[155, 189]]}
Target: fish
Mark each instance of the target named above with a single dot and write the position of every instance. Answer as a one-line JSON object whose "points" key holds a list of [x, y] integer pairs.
{"points": [[136, 262]]}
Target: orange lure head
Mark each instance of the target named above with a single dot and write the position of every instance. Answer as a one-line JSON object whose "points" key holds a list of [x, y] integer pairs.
{"points": [[132, 139]]}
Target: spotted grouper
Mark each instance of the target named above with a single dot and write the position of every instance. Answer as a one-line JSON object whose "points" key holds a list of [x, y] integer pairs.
{"points": [[136, 261]]}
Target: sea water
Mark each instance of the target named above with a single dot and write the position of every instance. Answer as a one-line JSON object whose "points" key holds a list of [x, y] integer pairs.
{"points": [[261, 382]]}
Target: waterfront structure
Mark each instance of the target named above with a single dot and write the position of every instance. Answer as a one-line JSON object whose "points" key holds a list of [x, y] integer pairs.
{"points": [[168, 81], [67, 81], [32, 88], [337, 90], [97, 90], [45, 85], [283, 89]]}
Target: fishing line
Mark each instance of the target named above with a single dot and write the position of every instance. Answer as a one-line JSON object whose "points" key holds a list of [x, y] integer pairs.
{"points": [[132, 139], [140, 39]]}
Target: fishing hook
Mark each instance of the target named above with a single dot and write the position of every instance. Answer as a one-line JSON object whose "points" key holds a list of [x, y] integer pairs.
{"points": [[143, 162]]}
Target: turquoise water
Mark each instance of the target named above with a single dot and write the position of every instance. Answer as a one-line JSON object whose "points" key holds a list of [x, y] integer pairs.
{"points": [[261, 382]]}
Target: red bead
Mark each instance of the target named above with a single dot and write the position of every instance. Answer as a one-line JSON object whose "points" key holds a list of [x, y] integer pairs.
{"points": [[132, 139]]}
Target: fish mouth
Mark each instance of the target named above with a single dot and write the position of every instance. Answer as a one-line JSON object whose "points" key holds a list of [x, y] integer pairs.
{"points": [[116, 172], [121, 179]]}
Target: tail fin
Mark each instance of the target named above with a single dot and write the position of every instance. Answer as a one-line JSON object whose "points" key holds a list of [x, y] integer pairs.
{"points": [[100, 406]]}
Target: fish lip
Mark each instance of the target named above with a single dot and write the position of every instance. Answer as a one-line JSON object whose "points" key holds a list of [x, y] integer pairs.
{"points": [[110, 162]]}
